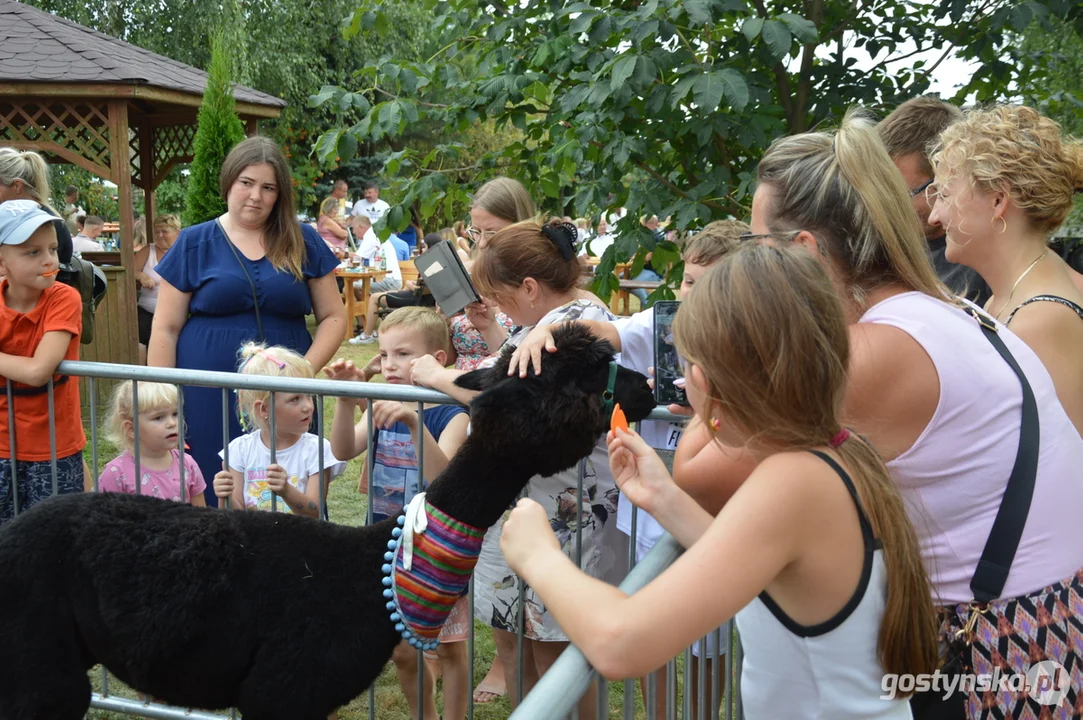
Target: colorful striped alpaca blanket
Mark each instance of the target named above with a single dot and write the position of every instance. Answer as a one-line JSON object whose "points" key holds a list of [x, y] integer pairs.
{"points": [[429, 561]]}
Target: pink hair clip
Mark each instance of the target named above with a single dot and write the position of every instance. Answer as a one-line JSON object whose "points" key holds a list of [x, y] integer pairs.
{"points": [[281, 365]]}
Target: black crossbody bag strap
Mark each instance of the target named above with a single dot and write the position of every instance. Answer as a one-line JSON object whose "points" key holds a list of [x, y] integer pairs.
{"points": [[251, 284], [996, 559]]}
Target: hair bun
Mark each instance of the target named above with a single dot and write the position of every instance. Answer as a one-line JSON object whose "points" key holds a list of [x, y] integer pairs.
{"points": [[563, 235]]}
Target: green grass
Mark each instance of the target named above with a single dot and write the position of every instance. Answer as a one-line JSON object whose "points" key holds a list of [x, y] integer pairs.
{"points": [[347, 507]]}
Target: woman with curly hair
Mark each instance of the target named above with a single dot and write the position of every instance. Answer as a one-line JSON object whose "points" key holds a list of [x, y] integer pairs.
{"points": [[1005, 180]]}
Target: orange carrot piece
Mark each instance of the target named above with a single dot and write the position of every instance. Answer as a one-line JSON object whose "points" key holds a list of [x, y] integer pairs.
{"points": [[618, 420]]}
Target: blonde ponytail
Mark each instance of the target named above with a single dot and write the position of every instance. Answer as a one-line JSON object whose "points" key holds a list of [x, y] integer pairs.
{"points": [[29, 167], [844, 188]]}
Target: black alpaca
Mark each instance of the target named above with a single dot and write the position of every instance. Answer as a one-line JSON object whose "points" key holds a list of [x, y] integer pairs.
{"points": [[280, 616]]}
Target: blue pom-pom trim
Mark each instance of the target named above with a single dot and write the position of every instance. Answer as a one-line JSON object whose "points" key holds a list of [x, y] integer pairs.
{"points": [[388, 569]]}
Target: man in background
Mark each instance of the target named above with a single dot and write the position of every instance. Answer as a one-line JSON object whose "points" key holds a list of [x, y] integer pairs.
{"points": [[71, 208], [908, 132], [371, 206], [87, 239]]}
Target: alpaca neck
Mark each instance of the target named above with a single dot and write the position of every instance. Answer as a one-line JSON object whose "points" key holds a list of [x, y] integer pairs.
{"points": [[479, 483]]}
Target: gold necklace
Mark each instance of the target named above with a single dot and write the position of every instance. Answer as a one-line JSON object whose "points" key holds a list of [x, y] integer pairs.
{"points": [[1019, 280]]}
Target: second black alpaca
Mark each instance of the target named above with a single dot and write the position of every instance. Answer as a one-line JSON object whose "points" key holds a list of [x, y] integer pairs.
{"points": [[282, 617]]}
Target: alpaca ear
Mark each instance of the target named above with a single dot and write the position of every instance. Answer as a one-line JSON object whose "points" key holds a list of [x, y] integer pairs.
{"points": [[476, 379]]}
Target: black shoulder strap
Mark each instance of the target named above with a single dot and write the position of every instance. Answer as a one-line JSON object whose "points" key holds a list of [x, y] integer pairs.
{"points": [[1047, 298], [996, 559], [251, 284]]}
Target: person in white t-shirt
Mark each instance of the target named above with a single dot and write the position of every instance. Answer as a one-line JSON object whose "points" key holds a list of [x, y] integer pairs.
{"points": [[291, 483], [87, 240], [383, 253], [371, 206], [633, 337], [369, 243], [597, 245]]}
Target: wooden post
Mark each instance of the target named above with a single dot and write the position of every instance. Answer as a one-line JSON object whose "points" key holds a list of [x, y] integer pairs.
{"points": [[146, 171], [120, 165], [253, 126]]}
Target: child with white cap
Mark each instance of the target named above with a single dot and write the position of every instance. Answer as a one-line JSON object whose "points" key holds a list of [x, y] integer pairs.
{"points": [[40, 323]]}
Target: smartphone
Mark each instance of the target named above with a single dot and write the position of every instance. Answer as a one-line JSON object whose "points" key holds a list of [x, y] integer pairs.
{"points": [[667, 365]]}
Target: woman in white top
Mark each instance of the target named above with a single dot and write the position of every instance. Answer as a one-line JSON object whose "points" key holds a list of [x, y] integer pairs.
{"points": [[814, 554], [1005, 180], [937, 401], [166, 230]]}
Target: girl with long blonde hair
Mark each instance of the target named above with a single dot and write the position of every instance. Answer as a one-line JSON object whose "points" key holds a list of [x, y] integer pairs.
{"points": [[814, 554]]}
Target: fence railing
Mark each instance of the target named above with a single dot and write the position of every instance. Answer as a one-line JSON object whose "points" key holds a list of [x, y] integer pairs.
{"points": [[558, 691]]}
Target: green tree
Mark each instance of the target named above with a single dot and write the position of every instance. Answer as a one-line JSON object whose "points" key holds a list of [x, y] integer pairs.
{"points": [[287, 48], [219, 130], [659, 106], [1051, 56]]}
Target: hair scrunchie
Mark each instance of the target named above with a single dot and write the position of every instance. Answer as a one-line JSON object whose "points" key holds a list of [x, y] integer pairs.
{"points": [[563, 235]]}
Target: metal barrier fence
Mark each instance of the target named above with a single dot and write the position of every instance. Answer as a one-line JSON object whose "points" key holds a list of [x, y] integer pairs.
{"points": [[558, 691]]}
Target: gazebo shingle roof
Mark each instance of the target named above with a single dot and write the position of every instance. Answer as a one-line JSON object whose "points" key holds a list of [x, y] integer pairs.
{"points": [[36, 46]]}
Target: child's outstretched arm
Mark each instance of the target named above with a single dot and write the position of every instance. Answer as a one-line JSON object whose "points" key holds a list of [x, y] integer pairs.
{"points": [[347, 439], [37, 370], [428, 372]]}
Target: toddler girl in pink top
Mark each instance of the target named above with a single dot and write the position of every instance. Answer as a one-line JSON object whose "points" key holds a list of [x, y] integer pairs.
{"points": [[159, 457]]}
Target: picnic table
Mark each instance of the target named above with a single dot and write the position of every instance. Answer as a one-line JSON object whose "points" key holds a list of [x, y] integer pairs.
{"points": [[622, 298], [356, 307]]}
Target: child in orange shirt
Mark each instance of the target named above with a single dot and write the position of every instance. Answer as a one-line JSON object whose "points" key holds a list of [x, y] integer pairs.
{"points": [[40, 323]]}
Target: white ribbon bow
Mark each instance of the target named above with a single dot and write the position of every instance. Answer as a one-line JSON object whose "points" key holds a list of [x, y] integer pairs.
{"points": [[416, 521]]}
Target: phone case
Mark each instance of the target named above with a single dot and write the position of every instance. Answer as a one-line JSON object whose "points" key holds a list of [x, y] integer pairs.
{"points": [[667, 365]]}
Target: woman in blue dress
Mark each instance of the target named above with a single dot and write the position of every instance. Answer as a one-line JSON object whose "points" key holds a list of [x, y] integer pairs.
{"points": [[252, 274]]}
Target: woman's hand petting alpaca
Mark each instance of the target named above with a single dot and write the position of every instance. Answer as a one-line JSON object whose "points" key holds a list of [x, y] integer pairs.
{"points": [[639, 472], [386, 413], [527, 538], [530, 349], [277, 479]]}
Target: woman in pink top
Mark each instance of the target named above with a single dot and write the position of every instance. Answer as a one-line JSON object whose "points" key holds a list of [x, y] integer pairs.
{"points": [[166, 230], [942, 408]]}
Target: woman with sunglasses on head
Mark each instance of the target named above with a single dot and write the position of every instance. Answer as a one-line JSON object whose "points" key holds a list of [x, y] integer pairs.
{"points": [[1005, 180], [941, 405]]}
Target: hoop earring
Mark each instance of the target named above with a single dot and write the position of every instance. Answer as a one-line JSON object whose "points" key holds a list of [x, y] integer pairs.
{"points": [[1003, 224]]}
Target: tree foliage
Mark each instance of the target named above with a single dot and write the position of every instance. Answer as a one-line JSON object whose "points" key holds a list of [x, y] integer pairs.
{"points": [[1052, 58], [219, 130], [284, 47], [659, 106]]}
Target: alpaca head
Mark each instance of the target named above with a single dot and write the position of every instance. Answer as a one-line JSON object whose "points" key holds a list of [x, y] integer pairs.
{"points": [[552, 420]]}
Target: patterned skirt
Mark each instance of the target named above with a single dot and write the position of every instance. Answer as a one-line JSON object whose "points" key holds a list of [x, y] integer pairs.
{"points": [[1038, 637]]}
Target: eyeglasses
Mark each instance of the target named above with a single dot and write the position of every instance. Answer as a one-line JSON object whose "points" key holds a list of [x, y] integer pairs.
{"points": [[784, 236], [933, 194], [924, 186], [478, 235]]}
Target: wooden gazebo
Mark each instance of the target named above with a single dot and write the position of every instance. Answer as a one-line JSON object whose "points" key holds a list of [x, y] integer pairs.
{"points": [[121, 112]]}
